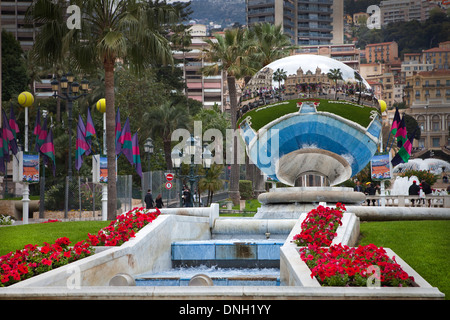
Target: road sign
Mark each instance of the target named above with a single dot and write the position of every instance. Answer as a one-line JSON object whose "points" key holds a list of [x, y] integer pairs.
{"points": [[169, 176], [168, 185]]}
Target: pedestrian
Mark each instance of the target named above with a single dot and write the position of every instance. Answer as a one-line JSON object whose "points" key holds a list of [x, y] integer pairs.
{"points": [[159, 201], [414, 190], [358, 187], [187, 198], [149, 200], [426, 190], [370, 190]]}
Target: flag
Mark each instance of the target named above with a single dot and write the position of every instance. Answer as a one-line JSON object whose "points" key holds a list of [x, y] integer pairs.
{"points": [[395, 122], [37, 129], [2, 154], [404, 153], [81, 146], [90, 131], [13, 123], [48, 149], [125, 141], [40, 139], [9, 135], [401, 133], [136, 155], [118, 131]]}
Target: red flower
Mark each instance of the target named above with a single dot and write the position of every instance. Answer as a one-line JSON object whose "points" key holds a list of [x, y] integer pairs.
{"points": [[45, 249], [46, 261]]}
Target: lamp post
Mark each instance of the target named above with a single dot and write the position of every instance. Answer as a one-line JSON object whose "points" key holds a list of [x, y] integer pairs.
{"points": [[192, 147], [70, 90], [148, 149]]}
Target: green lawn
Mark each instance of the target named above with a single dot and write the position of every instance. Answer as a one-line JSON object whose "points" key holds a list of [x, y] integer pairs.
{"points": [[16, 237], [265, 114], [424, 245]]}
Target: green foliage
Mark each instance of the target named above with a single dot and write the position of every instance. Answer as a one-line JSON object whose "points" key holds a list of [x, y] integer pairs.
{"points": [[245, 189], [429, 177], [14, 74]]}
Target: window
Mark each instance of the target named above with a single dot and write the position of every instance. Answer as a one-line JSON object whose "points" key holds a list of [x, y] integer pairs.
{"points": [[436, 142]]}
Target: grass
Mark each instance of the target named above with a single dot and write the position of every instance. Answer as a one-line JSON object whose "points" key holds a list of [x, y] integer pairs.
{"points": [[424, 245], [14, 238], [352, 111]]}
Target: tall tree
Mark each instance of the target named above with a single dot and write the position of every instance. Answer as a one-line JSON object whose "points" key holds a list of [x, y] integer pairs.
{"points": [[279, 75], [271, 43], [129, 30], [231, 54], [163, 120], [14, 75], [335, 75]]}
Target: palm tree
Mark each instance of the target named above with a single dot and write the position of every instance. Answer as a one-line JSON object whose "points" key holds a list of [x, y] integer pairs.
{"points": [[271, 43], [279, 75], [231, 54], [335, 75], [211, 181], [163, 120], [129, 30]]}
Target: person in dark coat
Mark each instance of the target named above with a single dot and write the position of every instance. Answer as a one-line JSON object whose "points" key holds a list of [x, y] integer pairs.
{"points": [[187, 198], [149, 200], [414, 190], [159, 201], [370, 190], [358, 187], [426, 190]]}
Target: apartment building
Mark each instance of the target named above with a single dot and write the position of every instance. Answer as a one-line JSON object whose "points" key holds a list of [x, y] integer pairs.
{"points": [[405, 10], [13, 21], [306, 22], [209, 90], [386, 81], [427, 94], [345, 53], [386, 52], [439, 57]]}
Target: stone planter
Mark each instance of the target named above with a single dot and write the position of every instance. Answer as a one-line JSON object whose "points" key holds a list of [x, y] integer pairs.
{"points": [[295, 272]]}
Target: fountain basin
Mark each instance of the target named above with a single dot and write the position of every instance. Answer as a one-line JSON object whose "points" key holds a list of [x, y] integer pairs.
{"points": [[227, 253]]}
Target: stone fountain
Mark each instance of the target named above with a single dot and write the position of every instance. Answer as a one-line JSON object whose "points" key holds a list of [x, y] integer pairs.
{"points": [[292, 140]]}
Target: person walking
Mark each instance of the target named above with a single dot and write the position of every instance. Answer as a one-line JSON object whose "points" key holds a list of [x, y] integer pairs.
{"points": [[159, 201], [149, 200], [187, 198], [414, 190], [426, 190]]}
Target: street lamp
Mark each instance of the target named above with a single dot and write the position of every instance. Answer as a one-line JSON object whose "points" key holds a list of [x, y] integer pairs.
{"points": [[70, 92], [193, 145], [148, 149]]}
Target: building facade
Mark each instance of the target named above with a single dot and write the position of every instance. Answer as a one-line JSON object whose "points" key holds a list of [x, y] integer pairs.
{"points": [[345, 53], [428, 95], [209, 90], [386, 52], [306, 22], [405, 10]]}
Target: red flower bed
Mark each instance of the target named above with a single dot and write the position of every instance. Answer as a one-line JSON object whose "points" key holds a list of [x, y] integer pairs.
{"points": [[34, 260], [344, 266], [340, 265], [123, 228], [320, 225]]}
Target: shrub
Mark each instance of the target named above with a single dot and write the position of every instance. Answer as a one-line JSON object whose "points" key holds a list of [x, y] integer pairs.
{"points": [[245, 189], [429, 177]]}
